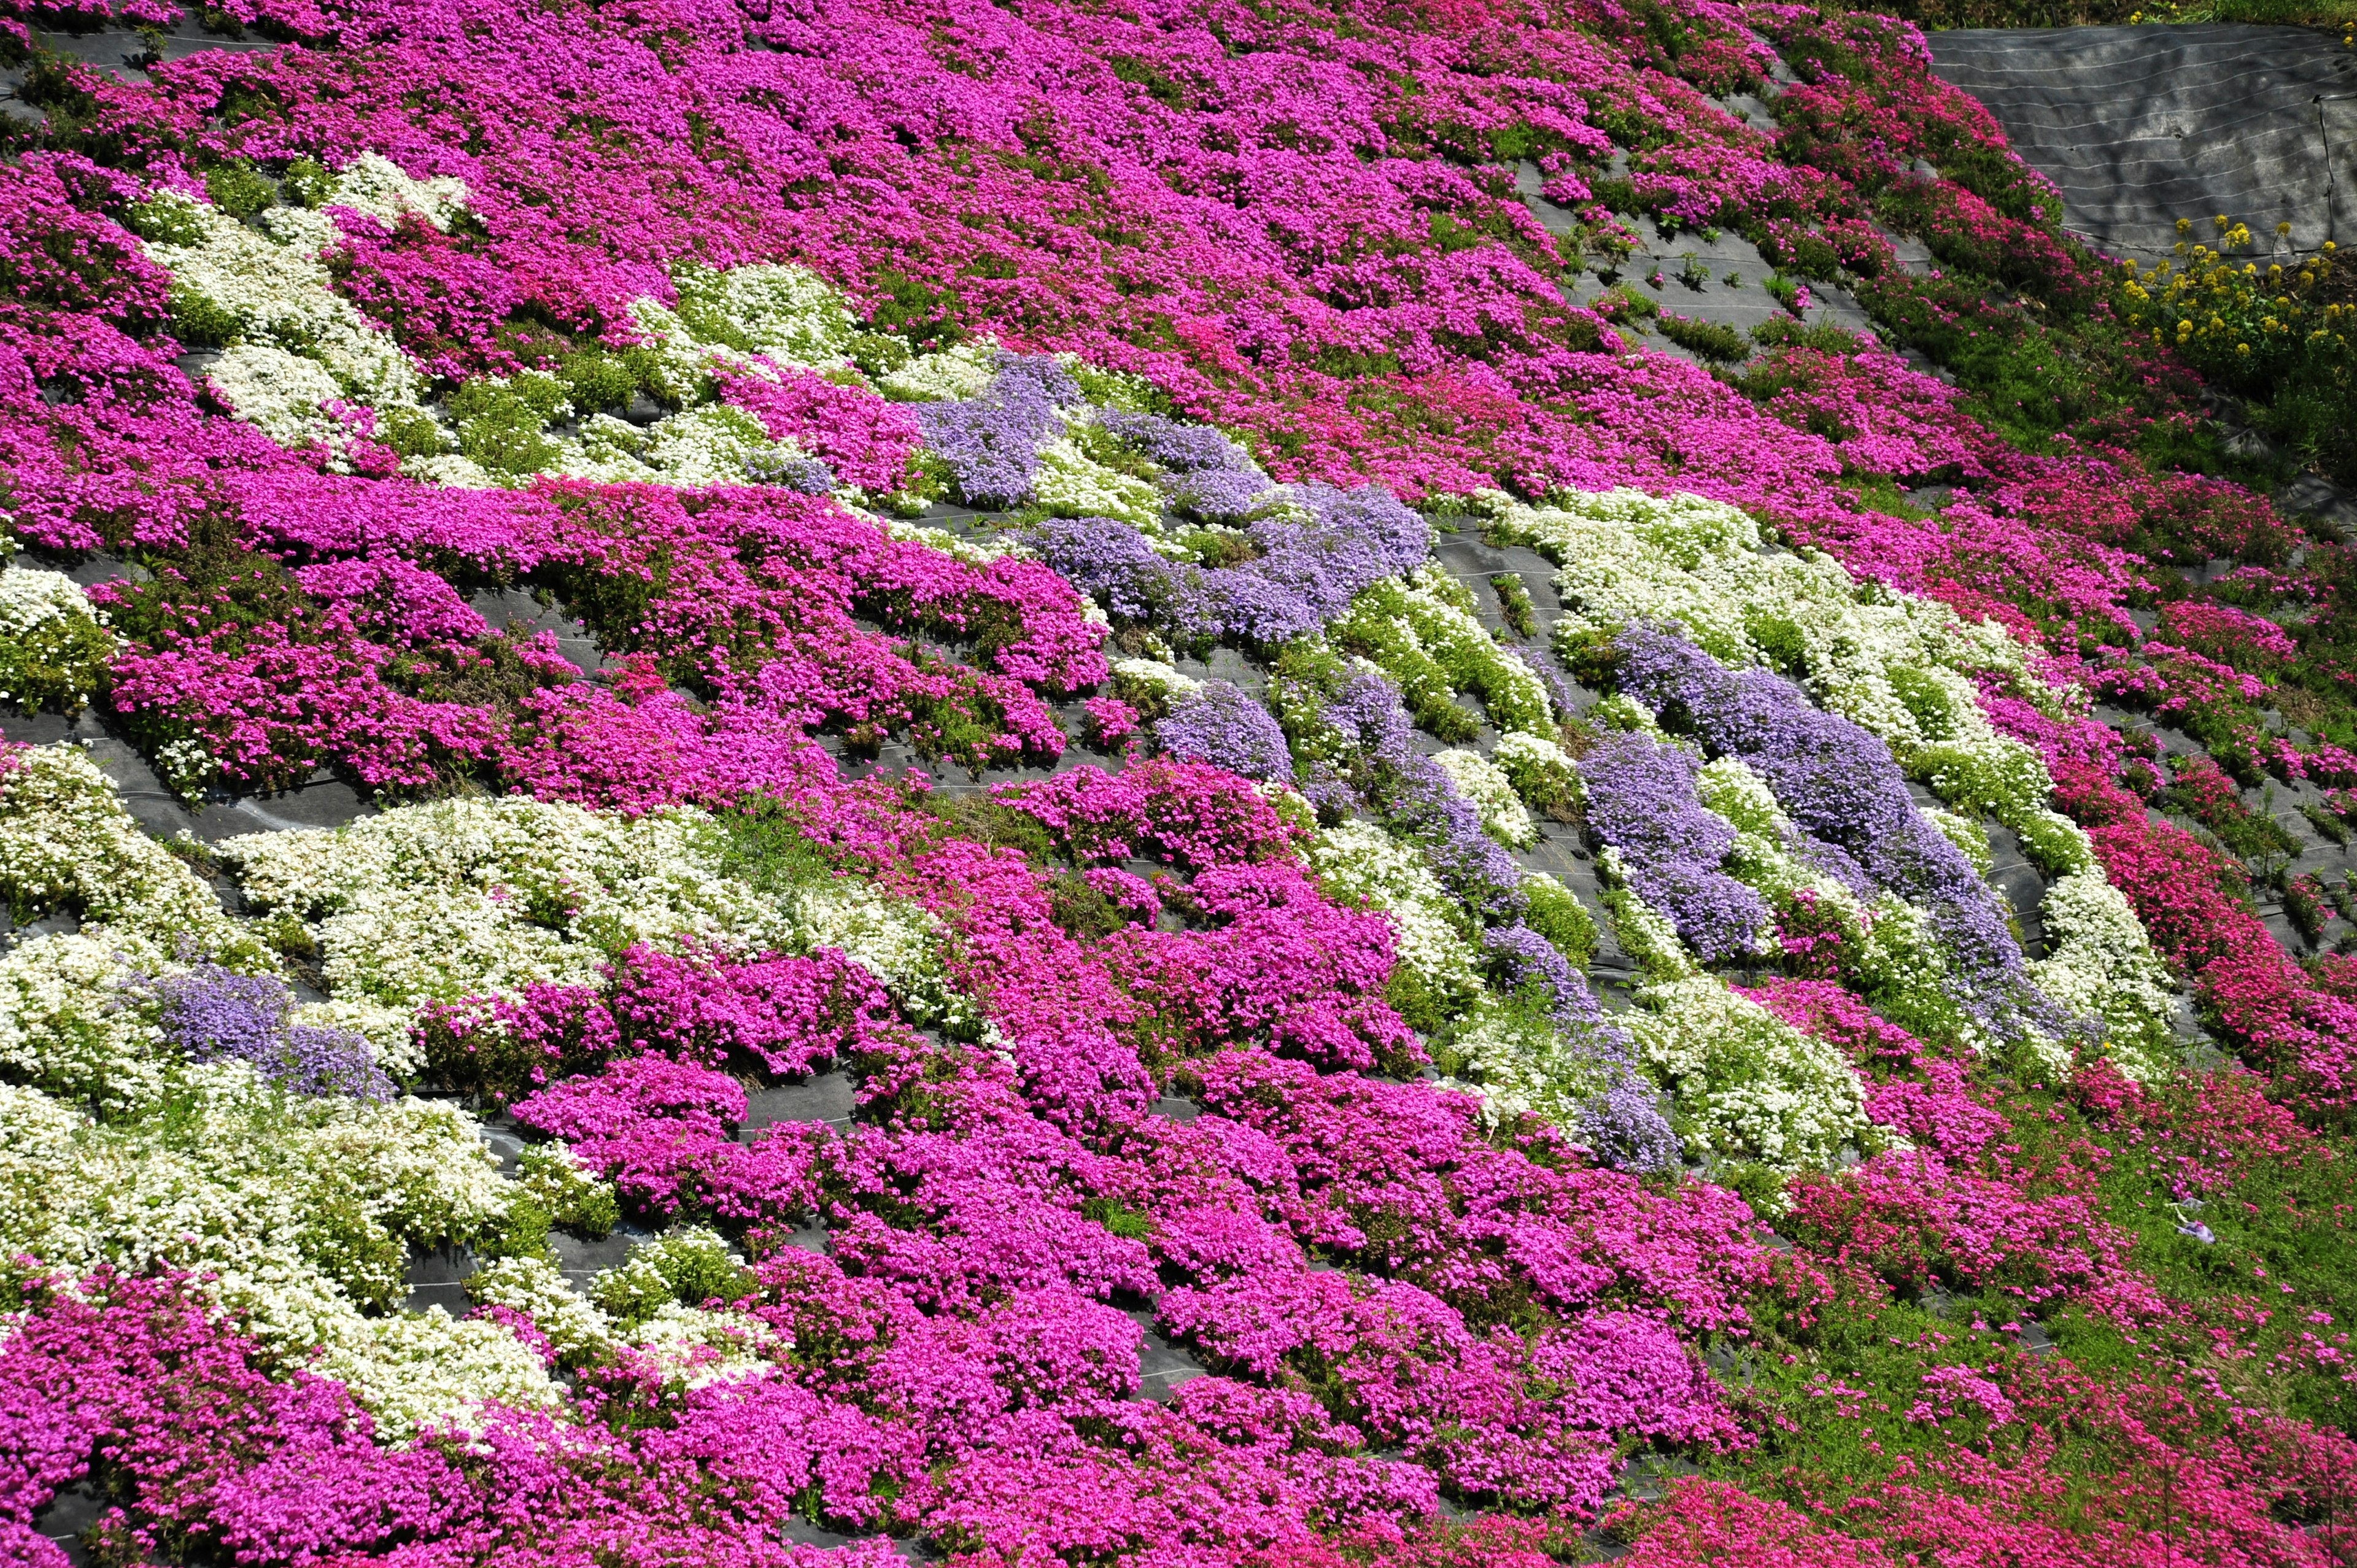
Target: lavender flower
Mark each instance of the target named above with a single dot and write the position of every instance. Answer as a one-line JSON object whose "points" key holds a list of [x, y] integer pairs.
{"points": [[991, 442], [1181, 447], [791, 470], [1222, 725], [1108, 561], [1623, 1126], [1218, 495], [210, 1012], [1308, 570], [1641, 801], [1840, 786], [1421, 800]]}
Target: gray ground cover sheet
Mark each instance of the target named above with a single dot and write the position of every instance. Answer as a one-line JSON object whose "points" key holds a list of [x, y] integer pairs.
{"points": [[2141, 126]]}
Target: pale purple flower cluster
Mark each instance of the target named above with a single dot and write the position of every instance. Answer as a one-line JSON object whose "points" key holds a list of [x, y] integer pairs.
{"points": [[1840, 786], [1174, 445], [792, 471], [1206, 475], [991, 442], [1310, 566], [1226, 726], [1641, 801], [1421, 800], [210, 1012], [1623, 1126]]}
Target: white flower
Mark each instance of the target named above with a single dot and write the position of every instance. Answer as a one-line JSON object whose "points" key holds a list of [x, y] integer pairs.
{"points": [[29, 596], [1485, 785], [1356, 860], [954, 374], [1069, 483], [1748, 1084]]}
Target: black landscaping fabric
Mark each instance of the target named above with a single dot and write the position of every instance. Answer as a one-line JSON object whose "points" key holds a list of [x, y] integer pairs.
{"points": [[2141, 126]]}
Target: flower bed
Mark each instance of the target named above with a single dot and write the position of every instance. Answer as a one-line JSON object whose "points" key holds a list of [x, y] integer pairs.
{"points": [[1352, 1047]]}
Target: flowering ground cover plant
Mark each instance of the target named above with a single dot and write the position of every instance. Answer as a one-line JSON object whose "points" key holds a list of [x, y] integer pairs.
{"points": [[1504, 950]]}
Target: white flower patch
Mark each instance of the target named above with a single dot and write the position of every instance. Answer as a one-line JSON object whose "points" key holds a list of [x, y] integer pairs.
{"points": [[948, 375], [70, 1022], [1484, 784], [534, 1287], [29, 596], [1894, 663], [1897, 665], [694, 1346], [1520, 1064], [2101, 961], [293, 1210], [473, 897], [297, 344], [1359, 860], [280, 394], [1539, 769], [1071, 483], [1165, 680], [792, 316], [411, 1373], [898, 942], [1749, 1085], [65, 838]]}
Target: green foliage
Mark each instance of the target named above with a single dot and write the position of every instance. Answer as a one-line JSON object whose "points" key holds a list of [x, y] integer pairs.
{"points": [[2276, 336], [1786, 332], [1556, 914], [343, 1241], [240, 190], [501, 424], [309, 182], [596, 379], [523, 1234], [412, 432], [567, 1194], [763, 846], [689, 1267], [1079, 910], [197, 322], [55, 663], [1419, 1008], [1126, 1223], [1434, 656], [1709, 341], [926, 316], [1514, 604], [2206, 797], [169, 220], [879, 353]]}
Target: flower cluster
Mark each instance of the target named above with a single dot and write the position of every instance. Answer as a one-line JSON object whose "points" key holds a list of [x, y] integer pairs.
{"points": [[1338, 1127]]}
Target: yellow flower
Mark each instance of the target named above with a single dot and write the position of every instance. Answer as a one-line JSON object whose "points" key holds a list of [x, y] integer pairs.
{"points": [[2242, 348]]}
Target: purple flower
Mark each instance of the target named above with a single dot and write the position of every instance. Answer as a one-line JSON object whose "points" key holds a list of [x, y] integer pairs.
{"points": [[1224, 725], [1641, 801], [991, 442], [1181, 447], [1308, 570], [791, 471], [1420, 801], [211, 1012], [1623, 1126], [1840, 786], [1218, 495]]}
